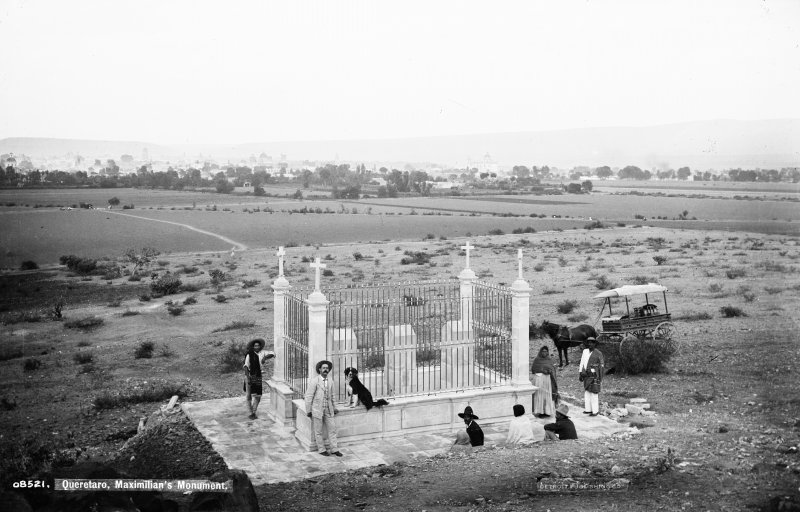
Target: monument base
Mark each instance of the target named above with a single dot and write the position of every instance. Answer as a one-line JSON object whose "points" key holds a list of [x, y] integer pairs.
{"points": [[407, 416], [281, 410]]}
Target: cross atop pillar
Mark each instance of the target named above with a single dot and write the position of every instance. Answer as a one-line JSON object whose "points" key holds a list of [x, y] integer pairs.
{"points": [[280, 254], [467, 248], [318, 266], [519, 262]]}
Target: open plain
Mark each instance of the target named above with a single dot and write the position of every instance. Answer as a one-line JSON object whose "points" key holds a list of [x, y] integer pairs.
{"points": [[726, 428]]}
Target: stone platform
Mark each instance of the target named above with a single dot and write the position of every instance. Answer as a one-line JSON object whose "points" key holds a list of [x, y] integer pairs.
{"points": [[269, 452], [411, 416]]}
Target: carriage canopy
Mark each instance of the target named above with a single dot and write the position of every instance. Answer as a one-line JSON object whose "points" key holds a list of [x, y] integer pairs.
{"points": [[631, 289]]}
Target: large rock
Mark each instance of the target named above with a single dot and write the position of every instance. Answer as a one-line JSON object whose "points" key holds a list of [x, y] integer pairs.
{"points": [[242, 497], [633, 409]]}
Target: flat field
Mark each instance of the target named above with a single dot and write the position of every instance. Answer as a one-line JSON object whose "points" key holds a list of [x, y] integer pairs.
{"points": [[199, 222]]}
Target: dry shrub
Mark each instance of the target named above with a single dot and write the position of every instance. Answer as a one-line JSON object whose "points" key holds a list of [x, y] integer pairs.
{"points": [[232, 358], [567, 306], [144, 350], [85, 324], [731, 311], [644, 356]]}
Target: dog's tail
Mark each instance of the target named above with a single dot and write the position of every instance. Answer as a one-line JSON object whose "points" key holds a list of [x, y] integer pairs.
{"points": [[380, 403]]}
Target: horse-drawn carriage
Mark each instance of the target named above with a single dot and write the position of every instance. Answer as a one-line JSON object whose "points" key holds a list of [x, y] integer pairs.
{"points": [[645, 321], [624, 325]]}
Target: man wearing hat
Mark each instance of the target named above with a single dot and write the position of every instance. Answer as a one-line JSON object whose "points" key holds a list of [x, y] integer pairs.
{"points": [[473, 429], [253, 367], [563, 428], [591, 371], [321, 409]]}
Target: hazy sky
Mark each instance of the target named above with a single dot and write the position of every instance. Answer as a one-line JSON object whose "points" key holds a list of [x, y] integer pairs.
{"points": [[194, 71]]}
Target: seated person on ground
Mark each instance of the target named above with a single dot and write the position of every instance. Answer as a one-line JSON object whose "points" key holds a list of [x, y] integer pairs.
{"points": [[462, 442], [521, 429], [474, 431], [563, 428]]}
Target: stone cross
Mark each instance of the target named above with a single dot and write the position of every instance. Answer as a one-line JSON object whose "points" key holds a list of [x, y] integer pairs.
{"points": [[281, 253], [318, 266], [467, 248], [519, 261]]}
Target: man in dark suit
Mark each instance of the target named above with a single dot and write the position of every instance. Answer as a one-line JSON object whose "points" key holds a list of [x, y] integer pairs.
{"points": [[563, 428], [321, 408], [473, 429]]}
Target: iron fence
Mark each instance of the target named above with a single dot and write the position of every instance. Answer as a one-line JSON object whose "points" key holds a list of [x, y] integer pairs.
{"points": [[295, 342]]}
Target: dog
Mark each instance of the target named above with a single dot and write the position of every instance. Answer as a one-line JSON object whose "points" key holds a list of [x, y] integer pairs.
{"points": [[357, 393]]}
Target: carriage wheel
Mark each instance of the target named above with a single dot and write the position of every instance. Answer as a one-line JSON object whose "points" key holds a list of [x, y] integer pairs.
{"points": [[667, 333], [641, 334]]}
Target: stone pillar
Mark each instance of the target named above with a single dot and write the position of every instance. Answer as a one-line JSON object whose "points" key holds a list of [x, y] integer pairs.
{"points": [[281, 395], [279, 289], [467, 278], [317, 331], [520, 345]]}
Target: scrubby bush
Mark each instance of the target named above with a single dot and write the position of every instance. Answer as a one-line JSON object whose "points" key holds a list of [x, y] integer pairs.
{"points": [[83, 358], [660, 260], [220, 298], [232, 358], [644, 356], [703, 315], [249, 283], [496, 231], [415, 258], [358, 256], [327, 272], [218, 276], [144, 350], [31, 364], [188, 301], [236, 324], [167, 284], [594, 225], [641, 280], [28, 265], [86, 323], [735, 272], [175, 309], [604, 283], [566, 307], [731, 311], [78, 264]]}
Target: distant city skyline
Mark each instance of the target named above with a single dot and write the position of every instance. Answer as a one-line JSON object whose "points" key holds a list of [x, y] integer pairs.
{"points": [[200, 72]]}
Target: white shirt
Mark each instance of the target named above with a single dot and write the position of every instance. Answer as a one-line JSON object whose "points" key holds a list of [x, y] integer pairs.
{"points": [[262, 356], [521, 431], [584, 359]]}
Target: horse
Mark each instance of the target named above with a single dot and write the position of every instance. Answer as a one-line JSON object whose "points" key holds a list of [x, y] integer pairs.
{"points": [[564, 337]]}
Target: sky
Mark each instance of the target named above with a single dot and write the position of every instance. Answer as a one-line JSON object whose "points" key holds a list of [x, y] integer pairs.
{"points": [[226, 72]]}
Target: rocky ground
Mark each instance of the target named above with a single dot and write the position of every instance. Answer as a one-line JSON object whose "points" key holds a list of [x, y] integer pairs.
{"points": [[725, 433]]}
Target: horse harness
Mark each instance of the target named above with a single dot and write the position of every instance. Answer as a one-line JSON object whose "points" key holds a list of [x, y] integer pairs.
{"points": [[564, 333]]}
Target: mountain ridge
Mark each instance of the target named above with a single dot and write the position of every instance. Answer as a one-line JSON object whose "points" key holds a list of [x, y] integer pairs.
{"points": [[698, 144]]}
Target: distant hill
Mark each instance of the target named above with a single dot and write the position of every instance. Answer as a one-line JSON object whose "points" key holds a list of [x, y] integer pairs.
{"points": [[700, 145]]}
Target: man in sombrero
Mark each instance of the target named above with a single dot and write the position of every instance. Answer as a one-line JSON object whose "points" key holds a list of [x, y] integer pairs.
{"points": [[253, 368], [321, 408], [474, 430]]}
